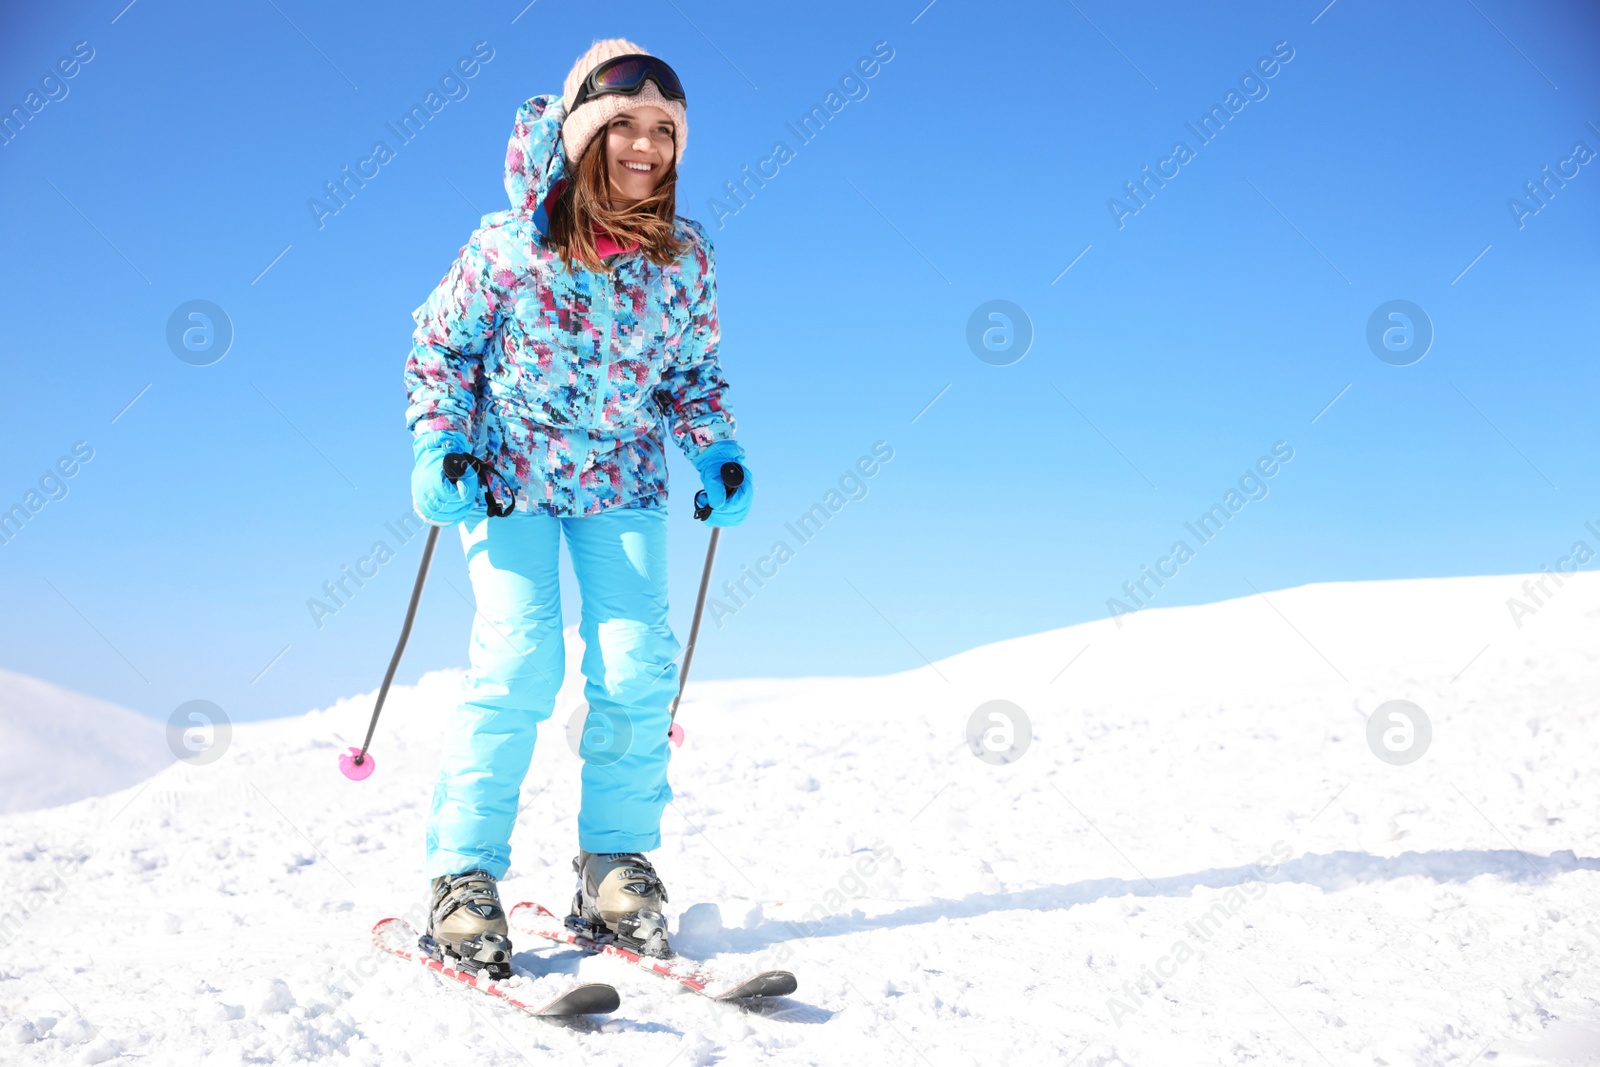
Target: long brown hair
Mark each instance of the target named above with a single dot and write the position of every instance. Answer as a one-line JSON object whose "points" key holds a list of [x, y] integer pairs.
{"points": [[587, 202]]}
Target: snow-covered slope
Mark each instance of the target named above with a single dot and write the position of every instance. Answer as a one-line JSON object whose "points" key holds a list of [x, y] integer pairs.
{"points": [[1199, 859], [57, 746]]}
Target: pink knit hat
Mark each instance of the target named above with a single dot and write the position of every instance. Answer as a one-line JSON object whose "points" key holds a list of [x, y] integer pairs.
{"points": [[580, 126]]}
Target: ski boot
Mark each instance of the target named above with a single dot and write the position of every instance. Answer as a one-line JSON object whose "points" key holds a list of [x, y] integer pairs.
{"points": [[467, 924], [619, 900]]}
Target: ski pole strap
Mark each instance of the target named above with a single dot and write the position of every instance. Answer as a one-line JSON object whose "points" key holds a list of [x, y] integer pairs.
{"points": [[456, 465]]}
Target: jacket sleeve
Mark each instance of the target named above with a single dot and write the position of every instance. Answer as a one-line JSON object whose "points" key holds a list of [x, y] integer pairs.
{"points": [[692, 394], [453, 329]]}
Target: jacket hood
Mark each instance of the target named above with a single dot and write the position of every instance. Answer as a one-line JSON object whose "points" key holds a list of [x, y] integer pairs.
{"points": [[535, 159]]}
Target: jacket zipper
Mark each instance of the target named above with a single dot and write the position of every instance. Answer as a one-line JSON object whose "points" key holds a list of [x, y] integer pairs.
{"points": [[582, 445], [604, 315]]}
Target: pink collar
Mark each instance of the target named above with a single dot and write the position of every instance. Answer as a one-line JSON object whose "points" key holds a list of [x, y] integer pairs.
{"points": [[603, 242]]}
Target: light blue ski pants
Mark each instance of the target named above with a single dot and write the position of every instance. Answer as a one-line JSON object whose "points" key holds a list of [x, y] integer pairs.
{"points": [[517, 658]]}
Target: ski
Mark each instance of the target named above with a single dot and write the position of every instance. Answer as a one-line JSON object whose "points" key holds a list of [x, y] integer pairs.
{"points": [[536, 919], [397, 937]]}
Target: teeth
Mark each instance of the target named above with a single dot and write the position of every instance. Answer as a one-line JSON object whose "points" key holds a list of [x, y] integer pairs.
{"points": [[643, 167]]}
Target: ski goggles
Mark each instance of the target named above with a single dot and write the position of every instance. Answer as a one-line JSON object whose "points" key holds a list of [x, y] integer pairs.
{"points": [[626, 75]]}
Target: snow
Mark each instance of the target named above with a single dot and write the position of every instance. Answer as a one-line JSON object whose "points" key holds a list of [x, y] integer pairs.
{"points": [[57, 746], [1198, 859]]}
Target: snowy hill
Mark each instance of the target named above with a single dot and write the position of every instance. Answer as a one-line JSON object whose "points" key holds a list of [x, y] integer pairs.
{"points": [[1198, 859], [57, 746]]}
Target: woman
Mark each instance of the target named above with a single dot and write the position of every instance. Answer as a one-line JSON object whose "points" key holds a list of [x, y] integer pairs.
{"points": [[567, 331]]}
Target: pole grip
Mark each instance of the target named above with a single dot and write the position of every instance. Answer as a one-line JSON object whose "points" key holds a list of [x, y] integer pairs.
{"points": [[456, 464], [732, 475]]}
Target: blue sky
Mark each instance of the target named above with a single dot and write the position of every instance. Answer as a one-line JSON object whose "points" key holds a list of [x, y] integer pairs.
{"points": [[1172, 346]]}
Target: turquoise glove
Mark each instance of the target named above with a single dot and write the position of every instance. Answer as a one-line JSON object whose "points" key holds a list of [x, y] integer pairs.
{"points": [[438, 500], [725, 510]]}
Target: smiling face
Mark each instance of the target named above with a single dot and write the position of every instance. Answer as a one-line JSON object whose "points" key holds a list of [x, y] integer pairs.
{"points": [[639, 149]]}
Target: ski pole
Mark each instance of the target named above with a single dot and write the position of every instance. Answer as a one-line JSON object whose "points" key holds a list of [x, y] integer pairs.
{"points": [[732, 479], [358, 763]]}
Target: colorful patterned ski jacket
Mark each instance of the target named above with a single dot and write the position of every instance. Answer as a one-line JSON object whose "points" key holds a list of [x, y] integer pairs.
{"points": [[560, 378]]}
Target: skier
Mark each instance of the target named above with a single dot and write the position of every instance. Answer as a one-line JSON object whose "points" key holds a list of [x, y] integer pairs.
{"points": [[569, 328]]}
